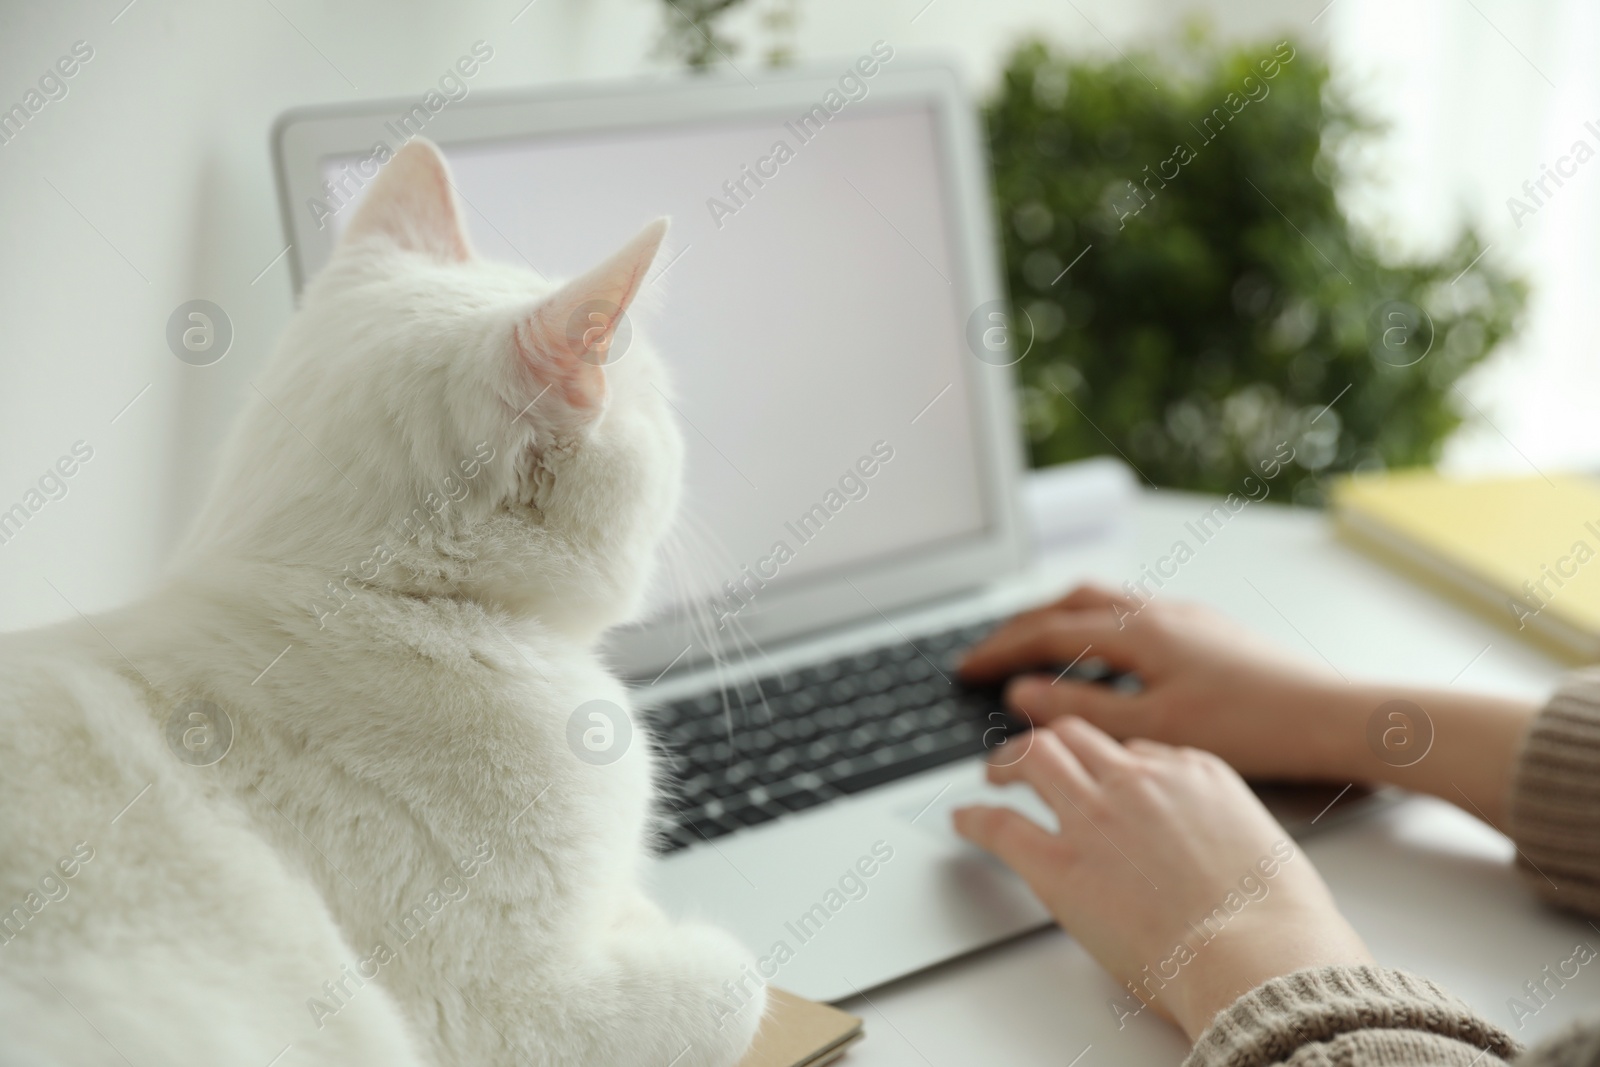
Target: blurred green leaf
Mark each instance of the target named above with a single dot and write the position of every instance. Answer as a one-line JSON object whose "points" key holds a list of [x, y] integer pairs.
{"points": [[1226, 300]]}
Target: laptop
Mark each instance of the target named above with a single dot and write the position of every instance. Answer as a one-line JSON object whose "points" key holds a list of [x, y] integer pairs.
{"points": [[830, 305]]}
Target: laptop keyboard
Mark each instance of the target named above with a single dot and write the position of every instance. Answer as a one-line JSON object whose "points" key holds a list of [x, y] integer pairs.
{"points": [[787, 742]]}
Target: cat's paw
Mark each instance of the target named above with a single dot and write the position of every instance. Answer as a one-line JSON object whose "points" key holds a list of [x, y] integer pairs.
{"points": [[722, 976]]}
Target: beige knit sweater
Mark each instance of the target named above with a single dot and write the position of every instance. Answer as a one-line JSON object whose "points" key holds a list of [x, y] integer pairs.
{"points": [[1369, 1016]]}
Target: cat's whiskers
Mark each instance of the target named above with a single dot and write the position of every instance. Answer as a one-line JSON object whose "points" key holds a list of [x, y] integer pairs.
{"points": [[692, 549]]}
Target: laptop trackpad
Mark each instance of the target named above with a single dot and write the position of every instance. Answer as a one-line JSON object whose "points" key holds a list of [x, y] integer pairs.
{"points": [[839, 899], [935, 816]]}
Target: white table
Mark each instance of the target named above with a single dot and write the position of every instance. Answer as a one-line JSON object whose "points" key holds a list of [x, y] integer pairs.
{"points": [[1429, 887]]}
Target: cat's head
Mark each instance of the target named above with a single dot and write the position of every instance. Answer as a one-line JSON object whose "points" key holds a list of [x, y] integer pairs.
{"points": [[439, 424]]}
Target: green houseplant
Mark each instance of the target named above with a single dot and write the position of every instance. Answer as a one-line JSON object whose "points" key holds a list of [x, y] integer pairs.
{"points": [[1224, 310], [691, 31]]}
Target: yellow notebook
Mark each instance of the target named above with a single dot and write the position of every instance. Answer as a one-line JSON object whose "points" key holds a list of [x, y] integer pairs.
{"points": [[1527, 548]]}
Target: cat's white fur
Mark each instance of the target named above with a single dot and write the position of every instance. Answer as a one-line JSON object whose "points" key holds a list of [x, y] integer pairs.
{"points": [[401, 735]]}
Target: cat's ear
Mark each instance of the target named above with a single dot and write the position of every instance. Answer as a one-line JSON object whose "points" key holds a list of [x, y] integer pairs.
{"points": [[413, 204], [569, 337]]}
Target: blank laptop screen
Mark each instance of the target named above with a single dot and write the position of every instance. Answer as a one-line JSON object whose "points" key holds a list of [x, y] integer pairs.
{"points": [[810, 324]]}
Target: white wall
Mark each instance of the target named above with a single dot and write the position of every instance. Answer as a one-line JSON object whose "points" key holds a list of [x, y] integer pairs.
{"points": [[1482, 96], [149, 185]]}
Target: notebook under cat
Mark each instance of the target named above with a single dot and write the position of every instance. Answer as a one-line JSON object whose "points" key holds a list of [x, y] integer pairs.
{"points": [[830, 305]]}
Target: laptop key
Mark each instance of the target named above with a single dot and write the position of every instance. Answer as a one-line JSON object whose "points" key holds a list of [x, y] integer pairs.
{"points": [[798, 801], [708, 826]]}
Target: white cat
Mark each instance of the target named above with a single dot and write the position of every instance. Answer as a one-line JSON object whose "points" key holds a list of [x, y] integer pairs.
{"points": [[384, 623]]}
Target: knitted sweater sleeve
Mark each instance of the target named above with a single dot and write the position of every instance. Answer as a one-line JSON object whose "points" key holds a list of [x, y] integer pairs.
{"points": [[1554, 810], [1373, 1017]]}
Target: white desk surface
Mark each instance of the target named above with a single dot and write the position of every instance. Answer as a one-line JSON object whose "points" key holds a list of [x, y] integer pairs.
{"points": [[1429, 887]]}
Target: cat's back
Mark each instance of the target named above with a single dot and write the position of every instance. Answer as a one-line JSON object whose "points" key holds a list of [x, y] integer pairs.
{"points": [[139, 916], [73, 733]]}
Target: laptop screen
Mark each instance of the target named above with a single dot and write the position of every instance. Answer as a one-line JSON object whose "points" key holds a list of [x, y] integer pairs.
{"points": [[806, 306]]}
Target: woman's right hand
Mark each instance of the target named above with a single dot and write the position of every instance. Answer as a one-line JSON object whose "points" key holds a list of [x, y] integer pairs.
{"points": [[1207, 682], [1166, 868]]}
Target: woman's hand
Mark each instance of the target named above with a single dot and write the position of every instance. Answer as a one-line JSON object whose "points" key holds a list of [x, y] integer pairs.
{"points": [[1207, 682], [1210, 683], [1166, 868]]}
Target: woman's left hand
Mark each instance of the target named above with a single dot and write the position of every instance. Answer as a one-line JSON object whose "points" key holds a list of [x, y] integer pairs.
{"points": [[1166, 868]]}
